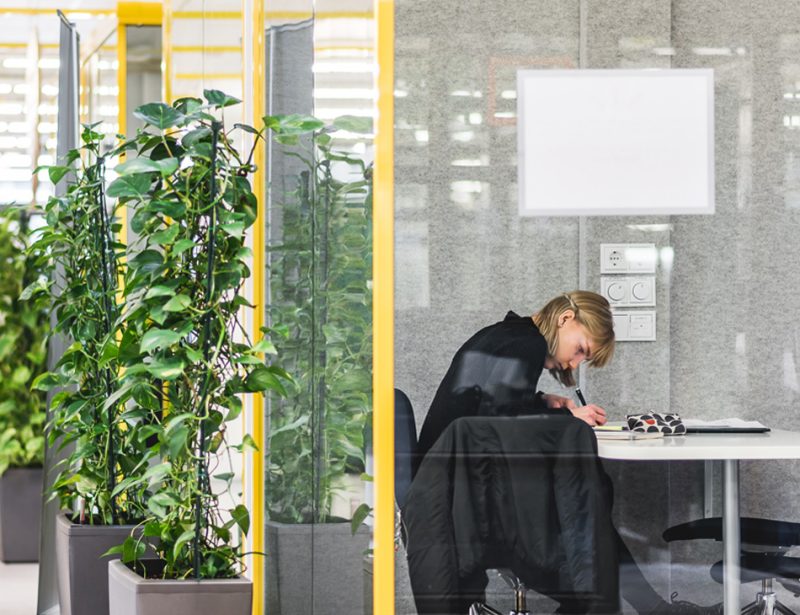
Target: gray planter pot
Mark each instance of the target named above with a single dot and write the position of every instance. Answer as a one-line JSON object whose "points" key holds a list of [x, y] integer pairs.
{"points": [[20, 514], [82, 572], [130, 594], [315, 569]]}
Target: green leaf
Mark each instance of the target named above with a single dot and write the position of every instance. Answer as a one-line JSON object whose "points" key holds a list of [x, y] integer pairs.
{"points": [[178, 303], [182, 245], [166, 236], [160, 502], [21, 375], [248, 444], [353, 123], [262, 379], [174, 209], [159, 115], [165, 166], [234, 229], [241, 517], [176, 440], [47, 382], [159, 338], [226, 476], [166, 369], [185, 537], [361, 513], [265, 346], [220, 99], [132, 549], [157, 472], [57, 173], [193, 136], [147, 261], [130, 186], [159, 290]]}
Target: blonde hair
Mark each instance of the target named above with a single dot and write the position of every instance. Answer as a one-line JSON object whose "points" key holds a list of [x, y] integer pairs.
{"points": [[593, 312]]}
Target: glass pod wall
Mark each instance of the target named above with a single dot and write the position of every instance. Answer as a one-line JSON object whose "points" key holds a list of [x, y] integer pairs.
{"points": [[319, 306]]}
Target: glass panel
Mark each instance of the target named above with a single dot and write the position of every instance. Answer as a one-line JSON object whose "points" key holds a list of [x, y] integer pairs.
{"points": [[725, 338], [319, 64]]}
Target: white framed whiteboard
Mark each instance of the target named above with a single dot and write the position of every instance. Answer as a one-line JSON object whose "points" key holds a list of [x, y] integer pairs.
{"points": [[615, 142]]}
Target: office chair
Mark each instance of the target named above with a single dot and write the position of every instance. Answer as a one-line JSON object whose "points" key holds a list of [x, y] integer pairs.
{"points": [[763, 558], [405, 448]]}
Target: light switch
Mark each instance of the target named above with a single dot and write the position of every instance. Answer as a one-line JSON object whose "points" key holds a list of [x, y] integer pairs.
{"points": [[639, 326], [642, 326]]}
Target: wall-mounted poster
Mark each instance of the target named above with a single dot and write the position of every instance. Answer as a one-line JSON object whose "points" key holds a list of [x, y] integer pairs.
{"points": [[615, 142]]}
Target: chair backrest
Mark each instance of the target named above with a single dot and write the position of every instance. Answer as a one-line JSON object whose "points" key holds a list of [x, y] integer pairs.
{"points": [[405, 445]]}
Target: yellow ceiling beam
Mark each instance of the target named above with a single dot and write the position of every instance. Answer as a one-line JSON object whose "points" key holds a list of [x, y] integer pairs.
{"points": [[49, 11], [204, 49], [271, 15], [139, 13], [207, 15], [204, 76]]}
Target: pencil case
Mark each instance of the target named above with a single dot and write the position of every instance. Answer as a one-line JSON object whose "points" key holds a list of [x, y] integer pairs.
{"points": [[668, 424]]}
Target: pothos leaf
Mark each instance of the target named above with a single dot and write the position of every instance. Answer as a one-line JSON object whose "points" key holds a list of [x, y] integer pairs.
{"points": [[159, 115]]}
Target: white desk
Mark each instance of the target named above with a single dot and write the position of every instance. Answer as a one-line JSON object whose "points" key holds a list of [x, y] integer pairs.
{"points": [[728, 448]]}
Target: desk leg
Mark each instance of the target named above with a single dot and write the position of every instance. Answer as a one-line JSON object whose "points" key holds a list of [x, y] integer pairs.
{"points": [[731, 536]]}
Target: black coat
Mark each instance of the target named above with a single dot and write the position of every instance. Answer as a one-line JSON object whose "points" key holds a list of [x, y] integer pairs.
{"points": [[525, 493]]}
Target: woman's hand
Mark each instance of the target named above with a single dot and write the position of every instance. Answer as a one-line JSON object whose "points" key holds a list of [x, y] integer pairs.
{"points": [[556, 401], [594, 415]]}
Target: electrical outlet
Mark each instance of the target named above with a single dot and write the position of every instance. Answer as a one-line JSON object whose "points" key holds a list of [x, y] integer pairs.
{"points": [[627, 258]]}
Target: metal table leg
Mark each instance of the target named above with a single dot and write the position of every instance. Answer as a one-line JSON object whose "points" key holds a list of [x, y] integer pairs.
{"points": [[731, 535]]}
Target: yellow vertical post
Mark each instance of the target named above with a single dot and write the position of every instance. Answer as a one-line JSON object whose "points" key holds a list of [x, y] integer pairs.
{"points": [[122, 104], [383, 314], [257, 477], [166, 50]]}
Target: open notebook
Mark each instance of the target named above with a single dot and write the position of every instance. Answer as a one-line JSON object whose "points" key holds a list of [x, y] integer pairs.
{"points": [[617, 431]]}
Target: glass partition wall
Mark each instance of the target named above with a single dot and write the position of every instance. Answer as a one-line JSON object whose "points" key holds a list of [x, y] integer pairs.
{"points": [[726, 336], [319, 81]]}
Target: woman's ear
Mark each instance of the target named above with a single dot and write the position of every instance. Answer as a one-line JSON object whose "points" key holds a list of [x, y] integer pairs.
{"points": [[565, 316]]}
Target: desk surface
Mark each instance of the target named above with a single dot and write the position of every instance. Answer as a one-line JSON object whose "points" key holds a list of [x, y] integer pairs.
{"points": [[776, 444]]}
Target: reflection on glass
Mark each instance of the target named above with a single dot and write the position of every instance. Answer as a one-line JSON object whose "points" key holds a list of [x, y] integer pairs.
{"points": [[318, 492]]}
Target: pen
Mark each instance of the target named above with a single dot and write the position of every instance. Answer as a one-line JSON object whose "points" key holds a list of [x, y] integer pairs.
{"points": [[580, 396]]}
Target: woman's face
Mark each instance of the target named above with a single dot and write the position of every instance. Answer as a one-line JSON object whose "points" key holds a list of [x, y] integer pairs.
{"points": [[574, 343]]}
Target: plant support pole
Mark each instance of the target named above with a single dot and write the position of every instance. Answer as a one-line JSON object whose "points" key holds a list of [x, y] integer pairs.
{"points": [[105, 263], [201, 463]]}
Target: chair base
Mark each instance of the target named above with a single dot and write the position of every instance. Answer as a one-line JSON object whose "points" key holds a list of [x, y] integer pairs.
{"points": [[479, 608], [767, 604]]}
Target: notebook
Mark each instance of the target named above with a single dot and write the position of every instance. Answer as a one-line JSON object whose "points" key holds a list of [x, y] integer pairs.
{"points": [[732, 425], [624, 434]]}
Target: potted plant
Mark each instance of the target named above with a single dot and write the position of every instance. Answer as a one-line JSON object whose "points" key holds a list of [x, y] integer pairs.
{"points": [[97, 483], [23, 355], [183, 331], [320, 291]]}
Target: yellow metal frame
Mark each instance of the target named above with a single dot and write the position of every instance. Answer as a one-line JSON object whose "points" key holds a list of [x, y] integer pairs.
{"points": [[256, 481], [383, 315], [167, 50], [130, 14], [139, 13]]}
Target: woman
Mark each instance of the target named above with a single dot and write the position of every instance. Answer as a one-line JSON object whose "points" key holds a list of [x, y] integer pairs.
{"points": [[495, 374]]}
